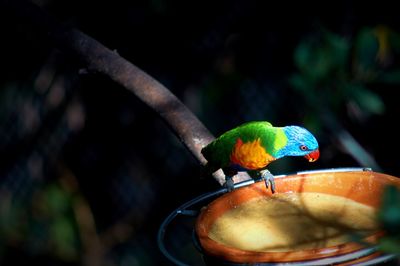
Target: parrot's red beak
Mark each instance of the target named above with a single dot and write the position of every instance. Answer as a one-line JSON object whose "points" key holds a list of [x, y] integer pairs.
{"points": [[312, 156]]}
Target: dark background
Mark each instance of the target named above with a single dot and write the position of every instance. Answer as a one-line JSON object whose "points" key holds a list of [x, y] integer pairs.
{"points": [[88, 172]]}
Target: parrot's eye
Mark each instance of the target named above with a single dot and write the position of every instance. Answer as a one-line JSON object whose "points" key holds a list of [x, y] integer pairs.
{"points": [[303, 147]]}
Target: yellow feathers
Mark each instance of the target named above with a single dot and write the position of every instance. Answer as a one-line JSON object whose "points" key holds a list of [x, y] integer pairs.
{"points": [[250, 155]]}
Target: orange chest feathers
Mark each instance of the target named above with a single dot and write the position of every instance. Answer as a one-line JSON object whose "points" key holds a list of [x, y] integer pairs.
{"points": [[250, 155]]}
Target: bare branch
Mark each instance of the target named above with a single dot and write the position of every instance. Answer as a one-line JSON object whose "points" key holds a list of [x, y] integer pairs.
{"points": [[192, 133]]}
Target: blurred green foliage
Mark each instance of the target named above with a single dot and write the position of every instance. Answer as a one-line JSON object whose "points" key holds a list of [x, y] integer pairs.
{"points": [[42, 224], [341, 80], [389, 219], [343, 73]]}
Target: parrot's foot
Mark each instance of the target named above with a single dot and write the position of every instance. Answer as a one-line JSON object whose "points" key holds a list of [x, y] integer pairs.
{"points": [[229, 184], [268, 179]]}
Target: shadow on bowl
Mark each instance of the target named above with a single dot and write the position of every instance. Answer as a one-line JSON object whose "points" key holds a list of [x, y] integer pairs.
{"points": [[314, 218]]}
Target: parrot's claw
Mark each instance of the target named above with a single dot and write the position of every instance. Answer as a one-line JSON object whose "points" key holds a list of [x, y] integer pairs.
{"points": [[229, 184], [268, 179]]}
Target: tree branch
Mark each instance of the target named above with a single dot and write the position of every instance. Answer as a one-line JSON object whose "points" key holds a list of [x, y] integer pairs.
{"points": [[192, 133]]}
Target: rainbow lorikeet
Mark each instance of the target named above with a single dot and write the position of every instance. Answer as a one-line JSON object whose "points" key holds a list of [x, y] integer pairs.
{"points": [[253, 145]]}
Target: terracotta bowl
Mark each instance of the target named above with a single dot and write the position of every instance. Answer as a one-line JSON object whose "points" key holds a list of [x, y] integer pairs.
{"points": [[361, 186]]}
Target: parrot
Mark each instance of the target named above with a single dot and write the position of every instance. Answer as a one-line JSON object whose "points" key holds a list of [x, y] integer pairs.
{"points": [[252, 146]]}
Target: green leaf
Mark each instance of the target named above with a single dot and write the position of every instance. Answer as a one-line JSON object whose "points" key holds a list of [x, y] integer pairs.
{"points": [[366, 49], [319, 57], [312, 61], [64, 238], [302, 55], [389, 245], [389, 212], [367, 100], [339, 48], [57, 200]]}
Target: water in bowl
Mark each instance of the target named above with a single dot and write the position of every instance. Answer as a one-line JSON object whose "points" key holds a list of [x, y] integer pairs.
{"points": [[293, 221]]}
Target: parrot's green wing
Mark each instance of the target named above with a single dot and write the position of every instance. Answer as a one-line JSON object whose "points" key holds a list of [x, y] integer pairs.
{"points": [[218, 152]]}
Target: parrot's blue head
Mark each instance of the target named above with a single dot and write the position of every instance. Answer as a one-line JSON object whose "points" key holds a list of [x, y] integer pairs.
{"points": [[300, 142]]}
